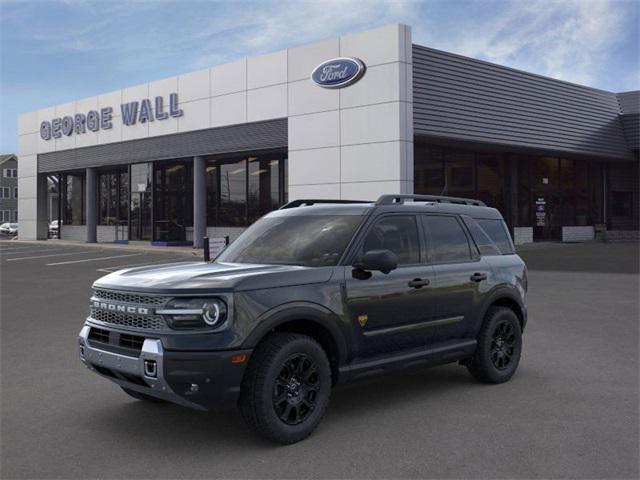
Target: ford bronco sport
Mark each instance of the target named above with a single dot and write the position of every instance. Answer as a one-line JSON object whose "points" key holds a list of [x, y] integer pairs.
{"points": [[314, 294]]}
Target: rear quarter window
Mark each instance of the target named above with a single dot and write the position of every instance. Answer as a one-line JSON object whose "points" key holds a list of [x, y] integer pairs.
{"points": [[497, 231]]}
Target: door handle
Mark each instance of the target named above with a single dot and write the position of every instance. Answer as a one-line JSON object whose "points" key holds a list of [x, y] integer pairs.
{"points": [[478, 277], [418, 283]]}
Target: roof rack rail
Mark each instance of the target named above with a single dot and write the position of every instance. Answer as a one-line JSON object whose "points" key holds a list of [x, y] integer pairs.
{"points": [[400, 198], [301, 202]]}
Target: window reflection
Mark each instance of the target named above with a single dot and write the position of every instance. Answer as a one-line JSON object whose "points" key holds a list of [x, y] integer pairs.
{"points": [[240, 190], [113, 197], [73, 199], [173, 200], [530, 191]]}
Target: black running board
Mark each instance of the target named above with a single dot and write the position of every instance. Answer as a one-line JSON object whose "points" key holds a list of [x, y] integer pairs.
{"points": [[436, 355]]}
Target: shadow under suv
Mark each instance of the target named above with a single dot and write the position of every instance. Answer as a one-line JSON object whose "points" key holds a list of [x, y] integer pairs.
{"points": [[317, 293]]}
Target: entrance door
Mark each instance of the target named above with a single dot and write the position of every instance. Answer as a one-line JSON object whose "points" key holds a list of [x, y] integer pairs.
{"points": [[546, 199], [173, 201], [140, 219], [140, 214]]}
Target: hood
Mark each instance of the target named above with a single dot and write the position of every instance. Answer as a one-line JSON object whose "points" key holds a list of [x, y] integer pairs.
{"points": [[200, 277]]}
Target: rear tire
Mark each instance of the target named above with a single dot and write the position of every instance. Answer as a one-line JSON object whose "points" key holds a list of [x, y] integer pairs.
{"points": [[285, 390], [499, 347], [141, 396]]}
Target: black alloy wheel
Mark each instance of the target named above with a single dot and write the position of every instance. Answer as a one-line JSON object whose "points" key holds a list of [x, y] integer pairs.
{"points": [[296, 389], [286, 387], [502, 345], [499, 347]]}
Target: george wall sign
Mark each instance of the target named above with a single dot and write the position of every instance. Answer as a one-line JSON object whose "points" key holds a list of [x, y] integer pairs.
{"points": [[339, 72], [94, 120]]}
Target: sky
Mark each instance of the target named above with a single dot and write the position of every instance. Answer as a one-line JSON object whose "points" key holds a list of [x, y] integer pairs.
{"points": [[55, 51]]}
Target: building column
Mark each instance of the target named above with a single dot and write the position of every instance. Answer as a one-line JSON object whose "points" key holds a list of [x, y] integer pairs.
{"points": [[41, 207], [512, 178], [91, 205], [199, 201]]}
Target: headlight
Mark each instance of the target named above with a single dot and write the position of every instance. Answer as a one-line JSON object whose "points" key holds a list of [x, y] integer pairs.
{"points": [[194, 313]]}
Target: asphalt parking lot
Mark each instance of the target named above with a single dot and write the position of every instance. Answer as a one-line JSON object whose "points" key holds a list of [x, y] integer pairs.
{"points": [[570, 412]]}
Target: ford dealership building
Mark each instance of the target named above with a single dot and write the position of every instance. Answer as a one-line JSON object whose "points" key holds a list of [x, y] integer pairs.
{"points": [[209, 152]]}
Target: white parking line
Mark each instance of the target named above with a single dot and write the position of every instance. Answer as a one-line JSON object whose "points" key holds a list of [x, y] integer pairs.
{"points": [[120, 267], [51, 255], [93, 259]]}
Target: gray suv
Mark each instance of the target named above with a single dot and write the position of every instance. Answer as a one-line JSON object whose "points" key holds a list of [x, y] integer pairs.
{"points": [[317, 293]]}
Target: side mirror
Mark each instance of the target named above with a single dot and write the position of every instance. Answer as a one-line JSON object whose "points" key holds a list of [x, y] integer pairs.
{"points": [[381, 260]]}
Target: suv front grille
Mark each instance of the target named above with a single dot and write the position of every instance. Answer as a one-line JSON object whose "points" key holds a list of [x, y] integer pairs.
{"points": [[142, 322], [115, 342], [99, 335], [131, 341], [130, 298]]}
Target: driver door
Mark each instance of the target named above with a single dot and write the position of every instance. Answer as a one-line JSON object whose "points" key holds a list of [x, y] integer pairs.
{"points": [[390, 311]]}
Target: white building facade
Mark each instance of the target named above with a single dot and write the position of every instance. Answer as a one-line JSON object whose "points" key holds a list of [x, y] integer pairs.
{"points": [[208, 152]]}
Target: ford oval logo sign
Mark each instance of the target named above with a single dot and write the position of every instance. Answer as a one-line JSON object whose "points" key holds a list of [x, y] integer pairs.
{"points": [[338, 73]]}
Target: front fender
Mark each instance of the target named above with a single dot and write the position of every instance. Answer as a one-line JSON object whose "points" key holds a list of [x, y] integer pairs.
{"points": [[308, 311]]}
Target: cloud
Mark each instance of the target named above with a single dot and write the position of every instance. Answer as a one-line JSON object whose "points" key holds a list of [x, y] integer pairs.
{"points": [[569, 40], [59, 50]]}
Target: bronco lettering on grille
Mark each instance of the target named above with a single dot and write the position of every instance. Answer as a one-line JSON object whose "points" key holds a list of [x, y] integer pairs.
{"points": [[122, 308]]}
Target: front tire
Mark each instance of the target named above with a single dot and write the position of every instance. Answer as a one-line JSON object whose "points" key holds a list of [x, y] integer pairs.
{"points": [[285, 390], [499, 347]]}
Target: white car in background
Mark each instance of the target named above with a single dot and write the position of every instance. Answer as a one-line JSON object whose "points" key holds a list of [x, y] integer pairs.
{"points": [[9, 228], [54, 229]]}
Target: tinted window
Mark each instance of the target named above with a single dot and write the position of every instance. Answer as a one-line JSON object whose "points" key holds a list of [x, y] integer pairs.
{"points": [[484, 243], [446, 239], [497, 232], [241, 190], [398, 234], [73, 199], [313, 240]]}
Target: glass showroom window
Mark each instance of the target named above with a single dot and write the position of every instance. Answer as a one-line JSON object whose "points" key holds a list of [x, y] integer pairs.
{"points": [[113, 197], [241, 190], [73, 199], [173, 200]]}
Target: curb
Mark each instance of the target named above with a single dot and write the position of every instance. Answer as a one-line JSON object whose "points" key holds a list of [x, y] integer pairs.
{"points": [[186, 251]]}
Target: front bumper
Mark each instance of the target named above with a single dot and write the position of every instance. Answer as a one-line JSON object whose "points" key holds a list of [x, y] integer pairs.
{"points": [[198, 380]]}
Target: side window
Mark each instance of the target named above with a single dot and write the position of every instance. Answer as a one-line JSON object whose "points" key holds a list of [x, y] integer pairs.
{"points": [[497, 231], [484, 243], [397, 233], [446, 239]]}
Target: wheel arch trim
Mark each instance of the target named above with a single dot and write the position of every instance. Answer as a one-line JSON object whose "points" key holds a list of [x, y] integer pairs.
{"points": [[506, 294], [300, 311]]}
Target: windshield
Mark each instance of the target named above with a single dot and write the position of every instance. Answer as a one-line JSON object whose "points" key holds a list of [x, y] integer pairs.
{"points": [[312, 241]]}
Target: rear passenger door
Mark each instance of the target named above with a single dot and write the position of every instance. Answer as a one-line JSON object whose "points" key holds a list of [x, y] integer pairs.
{"points": [[461, 276]]}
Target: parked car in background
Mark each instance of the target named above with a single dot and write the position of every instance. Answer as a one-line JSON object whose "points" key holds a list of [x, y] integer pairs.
{"points": [[9, 229], [54, 229]]}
